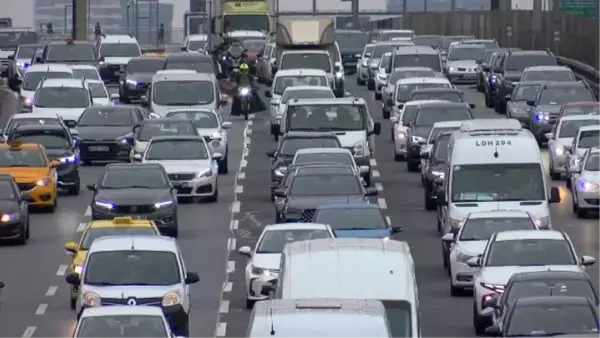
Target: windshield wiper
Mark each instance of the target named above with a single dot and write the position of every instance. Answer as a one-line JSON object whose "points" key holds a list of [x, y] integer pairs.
{"points": [[140, 187], [358, 228], [102, 284]]}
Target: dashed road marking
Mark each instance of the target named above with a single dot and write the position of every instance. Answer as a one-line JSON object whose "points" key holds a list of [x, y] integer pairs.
{"points": [[81, 226], [243, 164], [221, 330], [241, 176], [230, 266], [234, 224], [382, 203], [224, 307], [376, 173], [373, 162], [88, 211], [235, 207], [379, 186], [239, 189], [388, 220], [227, 287], [41, 309], [231, 244], [51, 291], [62, 269], [29, 331]]}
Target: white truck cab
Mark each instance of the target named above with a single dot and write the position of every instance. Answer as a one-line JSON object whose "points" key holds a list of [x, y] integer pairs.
{"points": [[65, 97]]}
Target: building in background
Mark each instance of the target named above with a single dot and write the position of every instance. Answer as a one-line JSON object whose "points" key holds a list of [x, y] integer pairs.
{"points": [[439, 5], [20, 13]]}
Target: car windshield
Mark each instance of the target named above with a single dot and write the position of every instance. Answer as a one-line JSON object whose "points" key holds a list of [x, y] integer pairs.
{"points": [[283, 82], [398, 313], [551, 287], [562, 95], [405, 91], [22, 158], [50, 140], [327, 117], [351, 41], [530, 252], [447, 40], [98, 90], [427, 116], [431, 61], [342, 158], [498, 182], [196, 45], [486, 44], [119, 50], [93, 233], [306, 60], [62, 97], [274, 241], [7, 191], [128, 178], [105, 117], [201, 119], [379, 50], [425, 40], [475, 53], [26, 52], [135, 267], [351, 218], [33, 79], [552, 320], [385, 60], [70, 53], [254, 46], [326, 185], [548, 75], [569, 128], [405, 74], [589, 139], [145, 65], [183, 93], [31, 121], [592, 163], [150, 130], [442, 96], [176, 150], [307, 94], [291, 145], [482, 229], [441, 150], [369, 49], [581, 110], [525, 92], [433, 135], [90, 74], [520, 62], [409, 112], [487, 57], [200, 66], [122, 326]]}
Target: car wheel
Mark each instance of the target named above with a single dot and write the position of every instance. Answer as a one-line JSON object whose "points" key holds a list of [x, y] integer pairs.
{"points": [[378, 96], [386, 114], [454, 291], [478, 323], [27, 228], [412, 166], [444, 258], [249, 304], [553, 175], [430, 203], [73, 303], [224, 163], [174, 232], [22, 239]]}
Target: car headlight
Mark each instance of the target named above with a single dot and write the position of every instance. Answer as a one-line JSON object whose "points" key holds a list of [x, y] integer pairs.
{"points": [[163, 204], [244, 91], [171, 298], [27, 102], [10, 217], [542, 117], [217, 135], [43, 182], [359, 148], [78, 269], [69, 159], [280, 171], [104, 205], [559, 150], [401, 135], [382, 77], [587, 186], [123, 139], [264, 272], [499, 288], [417, 139], [462, 257], [204, 173], [131, 82], [91, 299], [456, 223], [438, 173], [451, 69], [339, 75]]}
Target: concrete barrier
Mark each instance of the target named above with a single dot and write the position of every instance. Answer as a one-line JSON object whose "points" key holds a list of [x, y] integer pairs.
{"points": [[10, 104]]}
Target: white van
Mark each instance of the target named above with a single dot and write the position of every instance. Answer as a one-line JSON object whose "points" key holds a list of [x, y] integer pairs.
{"points": [[363, 269], [494, 164], [318, 318]]}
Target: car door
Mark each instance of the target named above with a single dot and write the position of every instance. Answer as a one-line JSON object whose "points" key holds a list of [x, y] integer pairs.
{"points": [[186, 297]]}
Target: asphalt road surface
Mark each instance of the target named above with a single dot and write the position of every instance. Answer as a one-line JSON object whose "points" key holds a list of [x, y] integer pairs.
{"points": [[35, 301]]}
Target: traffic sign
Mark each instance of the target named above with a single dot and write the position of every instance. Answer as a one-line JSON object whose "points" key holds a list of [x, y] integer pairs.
{"points": [[587, 8]]}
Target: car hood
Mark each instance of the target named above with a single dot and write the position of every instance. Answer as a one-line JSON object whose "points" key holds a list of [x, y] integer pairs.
{"points": [[367, 233], [8, 206], [26, 174], [133, 196], [462, 63], [592, 176], [472, 247], [267, 260], [140, 77], [128, 291], [68, 114], [501, 274], [186, 166], [566, 142], [163, 110], [312, 202], [28, 94], [114, 60], [549, 108], [55, 154], [105, 133], [350, 138], [460, 210], [4, 54], [513, 76], [207, 131]]}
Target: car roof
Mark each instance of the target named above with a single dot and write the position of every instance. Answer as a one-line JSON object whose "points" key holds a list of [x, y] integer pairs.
{"points": [[580, 118], [438, 90], [369, 307], [447, 124], [183, 56], [80, 66], [548, 275], [408, 69], [39, 127], [134, 243], [547, 68], [165, 120], [41, 115], [300, 88], [132, 166], [300, 71], [198, 37], [499, 214], [422, 102], [72, 83], [244, 33], [468, 46], [308, 134], [176, 138], [295, 226], [513, 235], [530, 83], [328, 150], [118, 38], [148, 57], [178, 76], [582, 104], [589, 128], [529, 52], [191, 110], [348, 206], [414, 49], [552, 300], [69, 42], [444, 104], [412, 80], [337, 100], [118, 310], [328, 169], [564, 84], [399, 43], [49, 67]]}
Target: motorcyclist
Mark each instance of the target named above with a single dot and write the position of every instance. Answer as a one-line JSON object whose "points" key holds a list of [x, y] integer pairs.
{"points": [[244, 79]]}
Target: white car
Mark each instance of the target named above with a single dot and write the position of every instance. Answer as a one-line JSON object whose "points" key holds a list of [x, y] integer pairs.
{"points": [[211, 126], [471, 238], [301, 92], [39, 119], [362, 66], [99, 93], [331, 155], [111, 321], [264, 259], [381, 76], [438, 128], [34, 74], [560, 141], [509, 252], [585, 183], [586, 138], [387, 93], [65, 97], [191, 165], [88, 72]]}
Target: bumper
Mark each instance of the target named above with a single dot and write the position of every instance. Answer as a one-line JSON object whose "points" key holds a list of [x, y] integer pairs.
{"points": [[362, 72], [462, 77], [68, 175], [11, 230], [559, 163], [254, 286], [539, 129], [588, 200], [414, 152], [130, 92], [164, 219], [42, 196], [104, 151], [198, 187], [462, 274]]}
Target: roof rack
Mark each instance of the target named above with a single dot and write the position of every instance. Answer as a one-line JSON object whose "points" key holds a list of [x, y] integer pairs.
{"points": [[490, 126]]}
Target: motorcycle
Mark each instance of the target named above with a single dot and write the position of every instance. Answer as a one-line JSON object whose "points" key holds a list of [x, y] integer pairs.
{"points": [[245, 94]]}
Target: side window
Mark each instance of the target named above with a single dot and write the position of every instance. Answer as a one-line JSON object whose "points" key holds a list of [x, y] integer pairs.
{"points": [[138, 115], [250, 324], [182, 262], [282, 272]]}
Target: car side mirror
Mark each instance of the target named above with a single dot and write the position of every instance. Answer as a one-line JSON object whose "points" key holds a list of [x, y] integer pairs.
{"points": [[217, 156], [364, 169], [245, 251], [271, 153], [38, 59], [183, 48], [473, 262], [267, 288], [549, 136], [55, 163], [441, 197], [226, 125], [493, 331], [279, 193], [137, 157], [531, 103], [485, 68], [449, 237], [274, 70], [144, 101], [490, 302], [397, 229], [370, 191], [377, 128], [71, 247], [554, 195], [73, 278], [91, 187], [101, 59], [472, 105], [587, 260], [70, 124], [268, 94], [192, 278]]}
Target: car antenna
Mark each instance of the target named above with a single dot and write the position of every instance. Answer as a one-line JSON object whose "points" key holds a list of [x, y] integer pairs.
{"points": [[496, 149], [132, 244], [272, 324]]}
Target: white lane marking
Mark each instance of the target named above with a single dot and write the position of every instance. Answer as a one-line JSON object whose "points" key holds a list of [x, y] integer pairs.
{"points": [[29, 331], [373, 162], [62, 269], [379, 186], [227, 287], [41, 309], [81, 226], [224, 307], [51, 291], [234, 224], [221, 330], [243, 164], [388, 220], [249, 132], [382, 203], [88, 211], [241, 176], [376, 173], [239, 189], [235, 207], [231, 244], [230, 266]]}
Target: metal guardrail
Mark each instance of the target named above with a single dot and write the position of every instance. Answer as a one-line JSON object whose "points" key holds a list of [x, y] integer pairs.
{"points": [[583, 72]]}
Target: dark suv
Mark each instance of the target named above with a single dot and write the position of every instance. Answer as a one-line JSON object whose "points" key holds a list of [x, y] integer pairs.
{"points": [[69, 52], [508, 69], [137, 76]]}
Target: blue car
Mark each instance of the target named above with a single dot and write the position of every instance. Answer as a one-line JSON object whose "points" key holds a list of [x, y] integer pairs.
{"points": [[355, 220]]}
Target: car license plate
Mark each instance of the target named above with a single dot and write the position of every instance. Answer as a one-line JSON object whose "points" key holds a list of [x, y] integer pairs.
{"points": [[99, 148], [181, 184]]}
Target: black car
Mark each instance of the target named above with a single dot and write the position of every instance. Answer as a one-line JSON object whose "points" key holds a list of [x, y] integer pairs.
{"points": [[509, 69], [541, 283], [319, 184], [14, 223], [143, 132], [137, 76], [201, 63], [60, 145], [427, 115], [69, 52], [435, 169], [105, 132], [142, 191], [548, 316], [483, 68], [351, 44], [438, 93], [516, 105], [291, 142], [549, 101], [426, 40]]}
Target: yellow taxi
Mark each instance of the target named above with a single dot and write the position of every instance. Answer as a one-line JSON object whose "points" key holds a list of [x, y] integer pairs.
{"points": [[119, 226], [34, 173]]}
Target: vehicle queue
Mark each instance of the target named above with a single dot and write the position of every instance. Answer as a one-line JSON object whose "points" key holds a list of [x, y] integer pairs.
{"points": [[484, 178]]}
